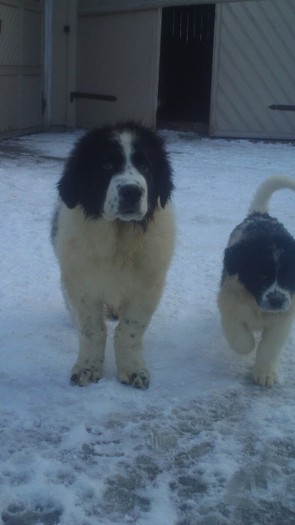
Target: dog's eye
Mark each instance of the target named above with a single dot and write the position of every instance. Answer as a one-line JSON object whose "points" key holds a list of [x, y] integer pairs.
{"points": [[263, 277], [141, 162], [108, 166], [144, 167]]}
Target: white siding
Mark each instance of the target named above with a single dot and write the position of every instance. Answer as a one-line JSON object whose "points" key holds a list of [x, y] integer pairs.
{"points": [[254, 68]]}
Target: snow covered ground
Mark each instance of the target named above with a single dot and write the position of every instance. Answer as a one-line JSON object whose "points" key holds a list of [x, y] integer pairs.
{"points": [[202, 446]]}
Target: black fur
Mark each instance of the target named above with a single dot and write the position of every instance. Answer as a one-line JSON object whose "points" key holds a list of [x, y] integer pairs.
{"points": [[98, 156], [264, 254]]}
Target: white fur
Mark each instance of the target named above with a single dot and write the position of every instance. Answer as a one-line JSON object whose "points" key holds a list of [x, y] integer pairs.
{"points": [[130, 176], [118, 264], [111, 206], [241, 316], [267, 188], [275, 288], [242, 319]]}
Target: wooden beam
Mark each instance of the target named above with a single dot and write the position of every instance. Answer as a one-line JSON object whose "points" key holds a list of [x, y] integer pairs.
{"points": [[113, 6]]}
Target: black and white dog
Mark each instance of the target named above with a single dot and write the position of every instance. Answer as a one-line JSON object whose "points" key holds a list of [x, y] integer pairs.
{"points": [[113, 234], [256, 298]]}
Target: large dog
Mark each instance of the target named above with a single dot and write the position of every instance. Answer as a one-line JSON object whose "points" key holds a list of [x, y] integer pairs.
{"points": [[256, 297], [113, 234]]}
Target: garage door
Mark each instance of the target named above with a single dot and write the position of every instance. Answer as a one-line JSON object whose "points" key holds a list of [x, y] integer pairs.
{"points": [[20, 66]]}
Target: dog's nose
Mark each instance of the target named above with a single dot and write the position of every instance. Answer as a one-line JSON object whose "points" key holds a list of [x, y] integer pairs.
{"points": [[276, 300], [131, 194]]}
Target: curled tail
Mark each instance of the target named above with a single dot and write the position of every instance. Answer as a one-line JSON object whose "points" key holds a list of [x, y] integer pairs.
{"points": [[266, 189]]}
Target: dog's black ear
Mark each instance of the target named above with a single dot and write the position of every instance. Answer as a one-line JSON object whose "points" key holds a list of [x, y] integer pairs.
{"points": [[154, 148], [68, 187], [166, 187], [232, 258], [165, 180]]}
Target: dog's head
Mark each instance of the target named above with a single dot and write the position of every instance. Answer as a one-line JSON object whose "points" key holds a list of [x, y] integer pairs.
{"points": [[119, 172], [266, 268]]}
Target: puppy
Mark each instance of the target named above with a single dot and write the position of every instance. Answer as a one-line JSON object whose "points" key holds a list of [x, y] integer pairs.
{"points": [[113, 234], [256, 297]]}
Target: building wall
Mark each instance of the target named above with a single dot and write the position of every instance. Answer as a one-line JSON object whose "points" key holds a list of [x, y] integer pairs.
{"points": [[118, 55], [111, 6], [21, 66], [253, 69], [61, 40]]}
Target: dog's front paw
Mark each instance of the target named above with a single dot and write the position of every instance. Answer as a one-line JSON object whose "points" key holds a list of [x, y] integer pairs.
{"points": [[85, 376], [265, 377], [137, 379]]}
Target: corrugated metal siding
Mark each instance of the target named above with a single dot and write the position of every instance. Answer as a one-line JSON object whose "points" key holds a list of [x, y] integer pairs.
{"points": [[254, 68]]}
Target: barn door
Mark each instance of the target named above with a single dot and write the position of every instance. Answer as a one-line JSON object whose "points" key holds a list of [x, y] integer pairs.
{"points": [[21, 66], [185, 65], [117, 67], [253, 86]]}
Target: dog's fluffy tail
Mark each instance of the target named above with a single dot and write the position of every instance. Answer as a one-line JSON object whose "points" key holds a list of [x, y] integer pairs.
{"points": [[266, 189]]}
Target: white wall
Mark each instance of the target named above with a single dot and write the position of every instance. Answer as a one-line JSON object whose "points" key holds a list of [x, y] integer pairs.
{"points": [[21, 66], [253, 68], [61, 62], [109, 6], [118, 55]]}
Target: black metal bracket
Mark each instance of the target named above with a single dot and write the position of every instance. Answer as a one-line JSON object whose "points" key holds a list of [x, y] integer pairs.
{"points": [[91, 96], [282, 107], [43, 105]]}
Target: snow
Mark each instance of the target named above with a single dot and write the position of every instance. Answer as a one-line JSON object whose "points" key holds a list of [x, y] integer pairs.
{"points": [[203, 445]]}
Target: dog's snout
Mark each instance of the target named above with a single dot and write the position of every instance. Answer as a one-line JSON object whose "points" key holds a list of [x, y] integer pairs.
{"points": [[276, 300], [131, 194], [127, 198]]}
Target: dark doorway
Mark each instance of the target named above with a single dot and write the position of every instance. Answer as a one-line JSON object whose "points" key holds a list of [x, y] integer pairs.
{"points": [[186, 65]]}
